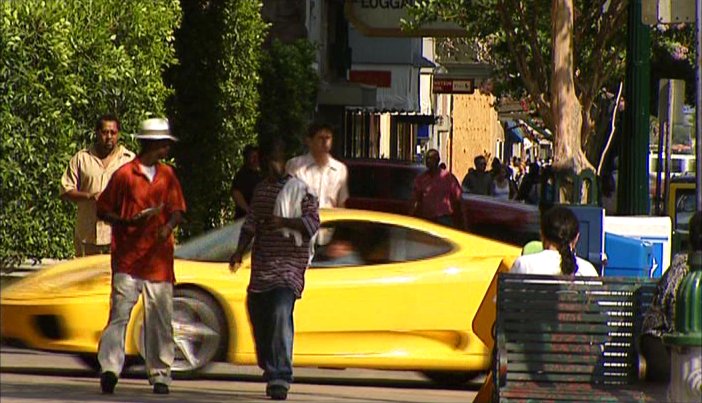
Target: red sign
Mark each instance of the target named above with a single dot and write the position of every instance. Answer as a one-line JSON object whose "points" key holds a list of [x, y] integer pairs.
{"points": [[453, 85], [377, 78]]}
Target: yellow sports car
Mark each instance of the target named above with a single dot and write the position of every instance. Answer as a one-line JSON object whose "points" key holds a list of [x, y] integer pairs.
{"points": [[383, 291]]}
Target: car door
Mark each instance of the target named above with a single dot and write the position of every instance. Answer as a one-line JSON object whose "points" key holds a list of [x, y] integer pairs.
{"points": [[357, 307]]}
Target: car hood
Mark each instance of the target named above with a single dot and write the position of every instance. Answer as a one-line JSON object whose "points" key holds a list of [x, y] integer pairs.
{"points": [[82, 276]]}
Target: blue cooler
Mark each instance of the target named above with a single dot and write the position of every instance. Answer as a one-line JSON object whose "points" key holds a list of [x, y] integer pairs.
{"points": [[628, 257]]}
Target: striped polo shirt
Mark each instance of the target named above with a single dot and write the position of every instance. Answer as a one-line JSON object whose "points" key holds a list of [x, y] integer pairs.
{"points": [[275, 260]]}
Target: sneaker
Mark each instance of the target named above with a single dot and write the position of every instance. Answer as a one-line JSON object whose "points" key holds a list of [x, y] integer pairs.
{"points": [[108, 380], [161, 389], [277, 392]]}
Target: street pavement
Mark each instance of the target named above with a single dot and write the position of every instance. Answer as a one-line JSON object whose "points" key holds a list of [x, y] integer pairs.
{"points": [[29, 376]]}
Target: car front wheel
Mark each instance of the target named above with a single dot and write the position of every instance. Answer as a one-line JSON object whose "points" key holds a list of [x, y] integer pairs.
{"points": [[199, 330]]}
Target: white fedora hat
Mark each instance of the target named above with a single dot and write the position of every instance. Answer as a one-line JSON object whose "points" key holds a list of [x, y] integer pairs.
{"points": [[155, 129]]}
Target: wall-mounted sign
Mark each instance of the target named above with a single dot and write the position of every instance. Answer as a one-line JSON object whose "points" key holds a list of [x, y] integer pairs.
{"points": [[383, 18], [446, 85]]}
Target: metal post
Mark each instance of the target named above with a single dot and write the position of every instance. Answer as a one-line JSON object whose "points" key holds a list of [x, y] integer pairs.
{"points": [[633, 194], [698, 102]]}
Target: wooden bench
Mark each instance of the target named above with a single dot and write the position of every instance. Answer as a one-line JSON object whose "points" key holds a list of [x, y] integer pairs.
{"points": [[560, 338]]}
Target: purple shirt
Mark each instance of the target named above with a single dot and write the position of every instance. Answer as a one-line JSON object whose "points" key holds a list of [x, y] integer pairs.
{"points": [[275, 260]]}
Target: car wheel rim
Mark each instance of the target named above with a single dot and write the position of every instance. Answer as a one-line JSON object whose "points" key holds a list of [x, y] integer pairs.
{"points": [[196, 332]]}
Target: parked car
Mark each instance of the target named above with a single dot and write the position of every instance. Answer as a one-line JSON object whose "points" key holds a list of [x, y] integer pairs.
{"points": [[409, 302], [386, 185], [381, 185]]}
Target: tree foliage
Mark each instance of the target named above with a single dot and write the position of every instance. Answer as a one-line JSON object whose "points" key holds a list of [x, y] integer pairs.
{"points": [[62, 64], [288, 92], [516, 37], [215, 109]]}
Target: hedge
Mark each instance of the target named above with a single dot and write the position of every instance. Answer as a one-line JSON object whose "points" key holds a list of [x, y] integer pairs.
{"points": [[215, 108], [62, 64]]}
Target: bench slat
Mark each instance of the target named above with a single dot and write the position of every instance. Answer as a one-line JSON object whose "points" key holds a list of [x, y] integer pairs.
{"points": [[542, 327], [536, 306], [571, 338], [553, 296], [579, 317], [531, 365], [546, 357], [614, 379], [567, 348]]}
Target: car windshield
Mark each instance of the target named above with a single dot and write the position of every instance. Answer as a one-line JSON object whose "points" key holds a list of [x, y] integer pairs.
{"points": [[214, 246]]}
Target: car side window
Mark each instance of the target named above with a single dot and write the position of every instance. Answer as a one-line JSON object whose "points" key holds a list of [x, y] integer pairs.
{"points": [[409, 244], [362, 243]]}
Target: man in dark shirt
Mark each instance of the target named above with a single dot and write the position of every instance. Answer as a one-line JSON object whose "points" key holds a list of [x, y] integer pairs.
{"points": [[478, 181], [245, 180], [278, 264]]}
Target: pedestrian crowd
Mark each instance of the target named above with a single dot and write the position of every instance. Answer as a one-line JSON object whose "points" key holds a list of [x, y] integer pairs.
{"points": [[520, 181]]}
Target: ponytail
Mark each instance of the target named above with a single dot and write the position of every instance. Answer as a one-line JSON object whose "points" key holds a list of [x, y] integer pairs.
{"points": [[568, 262], [560, 227]]}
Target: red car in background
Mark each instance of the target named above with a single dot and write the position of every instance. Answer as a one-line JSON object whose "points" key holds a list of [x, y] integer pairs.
{"points": [[386, 185], [381, 185]]}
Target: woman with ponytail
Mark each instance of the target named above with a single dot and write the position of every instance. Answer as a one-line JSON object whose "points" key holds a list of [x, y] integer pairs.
{"points": [[559, 235]]}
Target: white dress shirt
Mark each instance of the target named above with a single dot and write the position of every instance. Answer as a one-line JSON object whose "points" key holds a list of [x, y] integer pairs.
{"points": [[329, 183]]}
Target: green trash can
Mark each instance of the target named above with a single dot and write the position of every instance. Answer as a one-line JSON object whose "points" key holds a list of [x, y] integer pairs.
{"points": [[686, 343]]}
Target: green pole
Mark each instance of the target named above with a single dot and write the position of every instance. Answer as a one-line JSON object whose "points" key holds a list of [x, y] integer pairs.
{"points": [[633, 193]]}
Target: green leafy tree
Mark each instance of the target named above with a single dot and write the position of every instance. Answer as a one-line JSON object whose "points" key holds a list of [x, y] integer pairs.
{"points": [[215, 109], [288, 92], [673, 56], [560, 53], [523, 40], [62, 64]]}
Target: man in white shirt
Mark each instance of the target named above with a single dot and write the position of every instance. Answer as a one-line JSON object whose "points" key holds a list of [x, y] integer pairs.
{"points": [[326, 177]]}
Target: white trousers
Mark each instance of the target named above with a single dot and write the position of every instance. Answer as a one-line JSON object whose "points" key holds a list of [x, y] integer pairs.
{"points": [[159, 345]]}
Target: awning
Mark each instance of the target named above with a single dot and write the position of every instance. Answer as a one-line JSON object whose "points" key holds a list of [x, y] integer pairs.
{"points": [[514, 131], [346, 94], [411, 117]]}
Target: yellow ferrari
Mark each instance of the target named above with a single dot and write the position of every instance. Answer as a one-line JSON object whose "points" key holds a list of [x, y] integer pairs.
{"points": [[383, 291]]}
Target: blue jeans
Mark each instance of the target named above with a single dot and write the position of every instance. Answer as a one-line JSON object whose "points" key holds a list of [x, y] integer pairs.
{"points": [[271, 315]]}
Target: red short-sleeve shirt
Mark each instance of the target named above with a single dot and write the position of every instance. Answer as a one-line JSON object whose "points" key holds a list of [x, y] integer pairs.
{"points": [[136, 250], [437, 193]]}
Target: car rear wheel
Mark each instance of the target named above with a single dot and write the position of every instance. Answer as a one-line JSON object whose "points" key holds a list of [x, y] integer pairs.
{"points": [[199, 329], [451, 378]]}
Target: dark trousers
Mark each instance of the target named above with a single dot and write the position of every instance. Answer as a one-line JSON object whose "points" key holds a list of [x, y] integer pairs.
{"points": [[271, 315]]}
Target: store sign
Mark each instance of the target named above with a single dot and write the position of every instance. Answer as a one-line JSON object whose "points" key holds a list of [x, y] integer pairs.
{"points": [[383, 18], [453, 85]]}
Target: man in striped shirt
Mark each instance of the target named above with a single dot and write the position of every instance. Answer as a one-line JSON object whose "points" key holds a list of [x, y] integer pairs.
{"points": [[278, 264]]}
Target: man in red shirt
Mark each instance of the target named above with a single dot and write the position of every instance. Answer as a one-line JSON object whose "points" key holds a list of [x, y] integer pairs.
{"points": [[143, 202], [436, 193]]}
